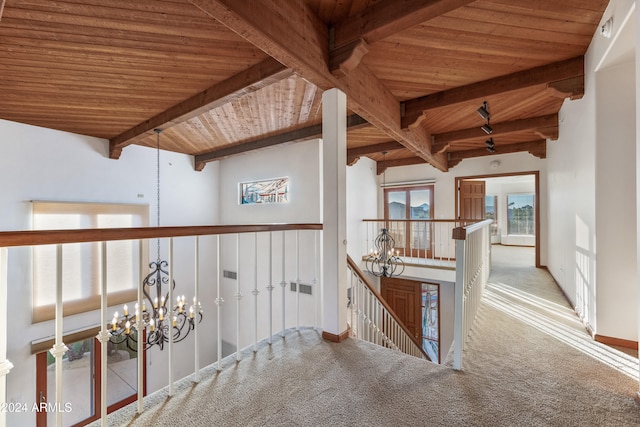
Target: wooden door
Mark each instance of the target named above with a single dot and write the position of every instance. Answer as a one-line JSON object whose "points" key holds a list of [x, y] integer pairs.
{"points": [[404, 298], [472, 199]]}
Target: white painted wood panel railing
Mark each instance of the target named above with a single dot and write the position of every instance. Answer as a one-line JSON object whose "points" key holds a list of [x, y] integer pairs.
{"points": [[270, 246], [473, 265], [371, 319], [419, 241]]}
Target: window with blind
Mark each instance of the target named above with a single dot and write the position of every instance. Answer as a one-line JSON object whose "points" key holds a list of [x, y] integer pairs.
{"points": [[81, 261]]}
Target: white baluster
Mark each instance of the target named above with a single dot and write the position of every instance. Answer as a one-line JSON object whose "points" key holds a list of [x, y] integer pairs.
{"points": [[59, 349], [196, 296], [170, 315], [219, 302], [104, 335], [315, 280], [283, 285], [238, 296], [270, 287], [140, 327], [297, 280], [255, 293]]}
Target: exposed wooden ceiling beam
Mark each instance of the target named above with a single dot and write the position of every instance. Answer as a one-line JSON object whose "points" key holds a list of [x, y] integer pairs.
{"points": [[1, 8], [354, 154], [310, 132], [250, 80], [350, 38], [544, 75], [543, 124], [389, 17], [537, 148], [291, 33]]}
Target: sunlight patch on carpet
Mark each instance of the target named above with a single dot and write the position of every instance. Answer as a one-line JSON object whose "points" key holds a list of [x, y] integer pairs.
{"points": [[510, 301]]}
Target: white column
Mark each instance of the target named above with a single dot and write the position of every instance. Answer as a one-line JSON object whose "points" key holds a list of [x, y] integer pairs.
{"points": [[334, 212], [5, 365]]}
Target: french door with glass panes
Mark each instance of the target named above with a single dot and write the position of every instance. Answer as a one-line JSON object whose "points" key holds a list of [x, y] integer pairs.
{"points": [[407, 211], [81, 387]]}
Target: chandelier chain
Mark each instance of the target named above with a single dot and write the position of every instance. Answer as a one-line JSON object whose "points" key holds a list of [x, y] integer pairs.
{"points": [[158, 131]]}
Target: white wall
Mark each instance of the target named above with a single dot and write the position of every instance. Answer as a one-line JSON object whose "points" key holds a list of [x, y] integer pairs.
{"points": [[592, 192], [43, 164], [362, 203], [299, 161]]}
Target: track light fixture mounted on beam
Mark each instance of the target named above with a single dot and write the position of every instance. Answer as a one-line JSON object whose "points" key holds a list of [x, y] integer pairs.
{"points": [[491, 146], [483, 111]]}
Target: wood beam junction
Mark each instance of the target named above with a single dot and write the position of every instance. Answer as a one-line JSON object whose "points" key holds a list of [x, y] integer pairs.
{"points": [[289, 32], [349, 39]]}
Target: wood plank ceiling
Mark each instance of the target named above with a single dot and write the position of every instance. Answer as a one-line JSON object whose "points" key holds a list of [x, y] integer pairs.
{"points": [[221, 77]]}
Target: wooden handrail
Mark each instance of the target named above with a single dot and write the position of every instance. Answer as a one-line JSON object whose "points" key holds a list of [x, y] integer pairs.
{"points": [[361, 276], [422, 220], [49, 237]]}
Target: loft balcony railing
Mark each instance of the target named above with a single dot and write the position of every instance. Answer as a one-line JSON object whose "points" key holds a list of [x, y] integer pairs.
{"points": [[419, 242], [285, 254]]}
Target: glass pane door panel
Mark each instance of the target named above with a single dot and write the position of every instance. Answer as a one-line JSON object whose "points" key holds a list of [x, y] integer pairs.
{"points": [[122, 372], [420, 201], [430, 321], [420, 204], [397, 201], [77, 383]]}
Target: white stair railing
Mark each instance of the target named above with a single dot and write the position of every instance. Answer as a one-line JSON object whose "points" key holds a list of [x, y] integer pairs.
{"points": [[473, 265], [371, 318]]}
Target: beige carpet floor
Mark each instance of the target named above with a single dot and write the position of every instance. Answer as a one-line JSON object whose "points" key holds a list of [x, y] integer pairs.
{"points": [[529, 362]]}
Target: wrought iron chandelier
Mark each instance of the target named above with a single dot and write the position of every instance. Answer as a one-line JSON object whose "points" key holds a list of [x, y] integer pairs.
{"points": [[156, 320], [384, 259]]}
